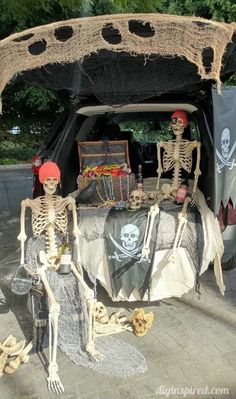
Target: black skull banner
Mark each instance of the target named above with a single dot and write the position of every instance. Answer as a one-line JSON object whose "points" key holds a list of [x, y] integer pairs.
{"points": [[124, 235], [224, 109]]}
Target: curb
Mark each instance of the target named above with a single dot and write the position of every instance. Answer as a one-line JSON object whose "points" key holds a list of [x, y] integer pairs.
{"points": [[16, 166]]}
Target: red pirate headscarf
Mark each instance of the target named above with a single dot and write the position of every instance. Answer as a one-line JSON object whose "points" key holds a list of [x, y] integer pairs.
{"points": [[180, 115], [49, 169]]}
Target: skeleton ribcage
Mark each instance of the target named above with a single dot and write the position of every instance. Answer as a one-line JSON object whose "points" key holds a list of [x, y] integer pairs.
{"points": [[47, 212], [181, 152]]}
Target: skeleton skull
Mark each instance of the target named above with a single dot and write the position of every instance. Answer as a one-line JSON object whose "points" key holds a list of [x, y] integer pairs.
{"points": [[136, 199], [225, 142], [100, 313], [177, 126], [179, 121], [129, 236], [141, 322], [50, 185]]}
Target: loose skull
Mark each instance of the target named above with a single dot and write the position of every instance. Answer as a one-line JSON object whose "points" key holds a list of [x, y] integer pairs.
{"points": [[129, 236], [141, 322], [136, 199], [100, 313], [225, 142]]}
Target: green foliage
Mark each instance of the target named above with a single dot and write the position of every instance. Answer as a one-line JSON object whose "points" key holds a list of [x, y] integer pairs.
{"points": [[18, 151], [148, 132], [8, 161]]}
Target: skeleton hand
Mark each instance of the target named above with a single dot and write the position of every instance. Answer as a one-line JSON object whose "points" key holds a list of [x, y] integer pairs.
{"points": [[89, 295], [76, 232], [194, 199], [90, 347], [145, 252], [22, 236]]}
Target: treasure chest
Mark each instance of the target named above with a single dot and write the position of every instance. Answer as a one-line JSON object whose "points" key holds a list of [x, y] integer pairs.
{"points": [[100, 160], [95, 153]]}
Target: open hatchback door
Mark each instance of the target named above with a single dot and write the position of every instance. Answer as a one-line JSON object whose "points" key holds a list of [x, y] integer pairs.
{"points": [[129, 60]]}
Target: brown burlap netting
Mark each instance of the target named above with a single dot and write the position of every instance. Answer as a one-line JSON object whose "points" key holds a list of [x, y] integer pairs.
{"points": [[72, 40]]}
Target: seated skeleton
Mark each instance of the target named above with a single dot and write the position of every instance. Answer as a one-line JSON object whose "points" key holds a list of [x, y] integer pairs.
{"points": [[49, 218], [177, 156]]}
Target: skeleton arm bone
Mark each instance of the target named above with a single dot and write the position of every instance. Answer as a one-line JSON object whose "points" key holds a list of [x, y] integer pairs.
{"points": [[90, 347], [88, 293], [72, 207], [22, 236], [197, 171], [159, 169], [154, 210], [89, 296]]}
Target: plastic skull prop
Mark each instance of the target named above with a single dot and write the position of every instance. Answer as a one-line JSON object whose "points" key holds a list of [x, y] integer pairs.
{"points": [[141, 322], [225, 142], [101, 315], [129, 236], [50, 185], [49, 176], [136, 199]]}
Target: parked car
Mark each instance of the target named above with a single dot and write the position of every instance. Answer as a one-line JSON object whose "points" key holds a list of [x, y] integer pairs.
{"points": [[129, 80], [150, 122]]}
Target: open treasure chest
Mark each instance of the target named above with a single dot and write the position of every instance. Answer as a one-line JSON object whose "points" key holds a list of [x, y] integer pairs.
{"points": [[107, 164]]}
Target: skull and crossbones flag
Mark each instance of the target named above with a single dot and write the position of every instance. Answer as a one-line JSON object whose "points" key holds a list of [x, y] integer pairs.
{"points": [[224, 107], [124, 234]]}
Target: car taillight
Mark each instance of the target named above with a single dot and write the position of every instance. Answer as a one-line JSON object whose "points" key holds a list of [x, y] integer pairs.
{"points": [[36, 163]]}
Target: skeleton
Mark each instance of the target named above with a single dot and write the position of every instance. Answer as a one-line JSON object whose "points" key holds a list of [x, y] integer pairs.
{"points": [[137, 199], [177, 156], [49, 215]]}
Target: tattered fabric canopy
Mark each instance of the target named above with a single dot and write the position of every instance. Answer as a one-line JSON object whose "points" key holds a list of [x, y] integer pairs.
{"points": [[121, 58]]}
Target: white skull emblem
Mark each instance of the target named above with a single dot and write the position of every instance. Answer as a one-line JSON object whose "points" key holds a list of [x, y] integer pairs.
{"points": [[225, 142], [129, 236]]}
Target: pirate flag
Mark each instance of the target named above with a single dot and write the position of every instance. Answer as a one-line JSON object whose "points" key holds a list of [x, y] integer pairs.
{"points": [[224, 106], [124, 235]]}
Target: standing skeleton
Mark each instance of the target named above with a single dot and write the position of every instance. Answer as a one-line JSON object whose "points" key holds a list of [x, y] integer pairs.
{"points": [[49, 216], [177, 156]]}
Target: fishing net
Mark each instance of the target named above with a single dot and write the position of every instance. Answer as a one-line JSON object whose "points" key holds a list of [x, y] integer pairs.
{"points": [[119, 358]]}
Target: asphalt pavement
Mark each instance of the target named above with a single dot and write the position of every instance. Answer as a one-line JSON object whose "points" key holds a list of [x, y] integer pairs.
{"points": [[190, 350]]}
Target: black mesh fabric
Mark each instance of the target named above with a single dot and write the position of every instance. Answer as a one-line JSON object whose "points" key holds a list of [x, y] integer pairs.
{"points": [[118, 78]]}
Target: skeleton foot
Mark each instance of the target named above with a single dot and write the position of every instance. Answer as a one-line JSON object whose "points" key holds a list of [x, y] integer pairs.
{"points": [[54, 382]]}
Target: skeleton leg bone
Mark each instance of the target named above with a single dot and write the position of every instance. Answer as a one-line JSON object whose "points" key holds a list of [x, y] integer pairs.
{"points": [[54, 383], [89, 296]]}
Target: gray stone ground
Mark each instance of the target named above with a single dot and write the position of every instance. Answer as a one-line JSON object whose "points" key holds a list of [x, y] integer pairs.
{"points": [[191, 345]]}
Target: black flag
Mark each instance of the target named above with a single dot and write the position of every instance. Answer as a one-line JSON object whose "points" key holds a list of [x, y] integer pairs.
{"points": [[124, 235], [224, 109]]}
